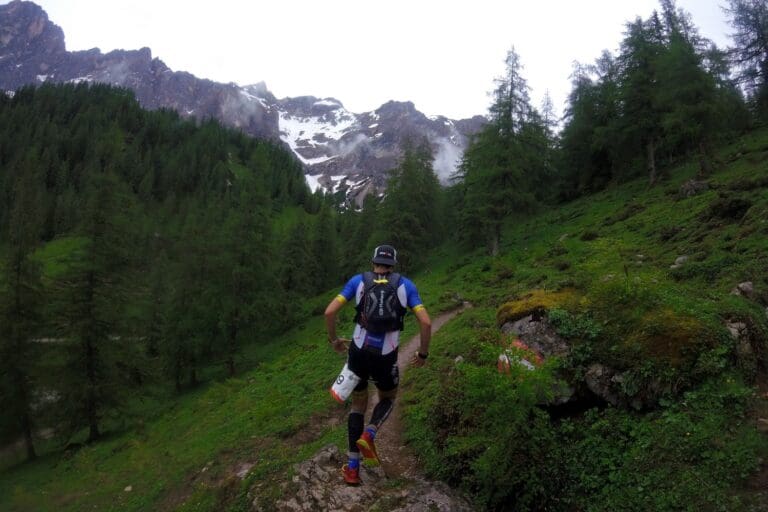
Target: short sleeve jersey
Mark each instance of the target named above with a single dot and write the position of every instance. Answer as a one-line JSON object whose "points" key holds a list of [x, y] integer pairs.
{"points": [[407, 294]]}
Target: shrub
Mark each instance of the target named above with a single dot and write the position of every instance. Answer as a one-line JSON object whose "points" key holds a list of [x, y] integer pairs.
{"points": [[574, 326]]}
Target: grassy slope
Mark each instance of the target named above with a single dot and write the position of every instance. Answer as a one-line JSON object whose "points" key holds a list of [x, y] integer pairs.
{"points": [[258, 417], [614, 250]]}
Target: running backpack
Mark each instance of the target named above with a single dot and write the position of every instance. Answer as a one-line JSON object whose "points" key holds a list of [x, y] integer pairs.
{"points": [[379, 309]]}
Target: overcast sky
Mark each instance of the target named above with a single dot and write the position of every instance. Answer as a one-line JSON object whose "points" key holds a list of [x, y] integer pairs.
{"points": [[442, 55]]}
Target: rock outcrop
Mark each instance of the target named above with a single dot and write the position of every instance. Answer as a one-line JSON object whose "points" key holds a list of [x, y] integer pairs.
{"points": [[317, 486]]}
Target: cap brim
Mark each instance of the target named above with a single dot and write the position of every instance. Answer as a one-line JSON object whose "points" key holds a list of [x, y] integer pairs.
{"points": [[385, 261]]}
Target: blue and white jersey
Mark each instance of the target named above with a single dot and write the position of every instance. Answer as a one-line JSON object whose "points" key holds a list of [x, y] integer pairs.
{"points": [[408, 296]]}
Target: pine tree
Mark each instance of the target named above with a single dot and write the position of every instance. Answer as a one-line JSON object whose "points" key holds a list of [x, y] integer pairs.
{"points": [[21, 309], [245, 268], [749, 18], [90, 301], [409, 210], [325, 250], [496, 180], [641, 114]]}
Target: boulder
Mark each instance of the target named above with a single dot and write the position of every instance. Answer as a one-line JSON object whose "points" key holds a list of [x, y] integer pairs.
{"points": [[602, 381], [538, 334], [679, 261], [745, 289], [692, 187]]}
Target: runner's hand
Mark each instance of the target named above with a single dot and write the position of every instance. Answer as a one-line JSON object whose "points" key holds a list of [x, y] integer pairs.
{"points": [[340, 345], [417, 361]]}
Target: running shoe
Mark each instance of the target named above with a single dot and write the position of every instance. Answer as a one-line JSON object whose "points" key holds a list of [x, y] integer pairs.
{"points": [[368, 449], [351, 475]]}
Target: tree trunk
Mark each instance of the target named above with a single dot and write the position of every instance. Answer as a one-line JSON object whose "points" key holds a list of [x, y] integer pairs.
{"points": [[651, 162], [177, 375], [705, 165], [494, 245], [26, 424], [91, 405], [93, 420], [93, 430], [231, 365], [192, 377], [232, 347]]}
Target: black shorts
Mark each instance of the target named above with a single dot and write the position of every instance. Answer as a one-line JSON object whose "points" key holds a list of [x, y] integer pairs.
{"points": [[368, 364]]}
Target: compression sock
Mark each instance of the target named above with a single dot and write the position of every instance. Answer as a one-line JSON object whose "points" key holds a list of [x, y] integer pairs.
{"points": [[354, 430], [381, 412]]}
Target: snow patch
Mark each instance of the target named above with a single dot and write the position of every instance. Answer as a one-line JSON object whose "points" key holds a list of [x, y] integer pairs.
{"points": [[313, 182], [253, 97], [374, 125], [42, 78], [80, 79], [327, 103], [10, 94], [315, 161], [300, 132]]}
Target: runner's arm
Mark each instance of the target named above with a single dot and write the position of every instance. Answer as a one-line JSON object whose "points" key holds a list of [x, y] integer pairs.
{"points": [[330, 317], [425, 328]]}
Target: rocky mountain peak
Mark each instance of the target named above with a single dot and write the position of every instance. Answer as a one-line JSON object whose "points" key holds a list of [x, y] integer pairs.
{"points": [[28, 26]]}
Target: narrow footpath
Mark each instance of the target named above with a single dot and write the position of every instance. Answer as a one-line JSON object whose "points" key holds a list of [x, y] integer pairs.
{"points": [[397, 459]]}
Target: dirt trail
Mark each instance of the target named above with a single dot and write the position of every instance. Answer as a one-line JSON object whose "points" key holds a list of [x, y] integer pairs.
{"points": [[398, 460]]}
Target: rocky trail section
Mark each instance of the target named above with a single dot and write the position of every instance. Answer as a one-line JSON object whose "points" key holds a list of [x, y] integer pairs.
{"points": [[397, 485]]}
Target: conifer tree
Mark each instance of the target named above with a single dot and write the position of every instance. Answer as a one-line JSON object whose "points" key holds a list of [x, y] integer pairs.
{"points": [[245, 269], [409, 210], [640, 124], [749, 18], [325, 250], [496, 180], [20, 310], [91, 298]]}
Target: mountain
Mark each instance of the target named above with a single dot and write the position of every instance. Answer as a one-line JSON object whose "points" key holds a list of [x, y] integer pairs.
{"points": [[342, 151]]}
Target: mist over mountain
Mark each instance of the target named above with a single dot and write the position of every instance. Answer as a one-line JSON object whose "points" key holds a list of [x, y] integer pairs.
{"points": [[343, 152]]}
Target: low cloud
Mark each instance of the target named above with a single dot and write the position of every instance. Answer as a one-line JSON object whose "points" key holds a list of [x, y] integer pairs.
{"points": [[446, 159]]}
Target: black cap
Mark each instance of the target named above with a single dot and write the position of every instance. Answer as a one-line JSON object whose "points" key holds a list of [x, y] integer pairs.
{"points": [[385, 255]]}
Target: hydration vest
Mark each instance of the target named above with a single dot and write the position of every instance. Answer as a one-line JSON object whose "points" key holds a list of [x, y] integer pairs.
{"points": [[379, 310]]}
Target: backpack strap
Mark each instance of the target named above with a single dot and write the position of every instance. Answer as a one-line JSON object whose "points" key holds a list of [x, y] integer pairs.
{"points": [[360, 306]]}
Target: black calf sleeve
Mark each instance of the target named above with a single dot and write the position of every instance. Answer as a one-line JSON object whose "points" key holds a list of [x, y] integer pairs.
{"points": [[381, 411], [354, 429]]}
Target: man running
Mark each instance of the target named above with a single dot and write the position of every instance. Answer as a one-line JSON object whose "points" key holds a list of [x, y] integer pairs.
{"points": [[382, 299]]}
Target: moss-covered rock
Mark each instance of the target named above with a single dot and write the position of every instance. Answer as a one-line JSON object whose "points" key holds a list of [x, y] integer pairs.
{"points": [[668, 337], [534, 302]]}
